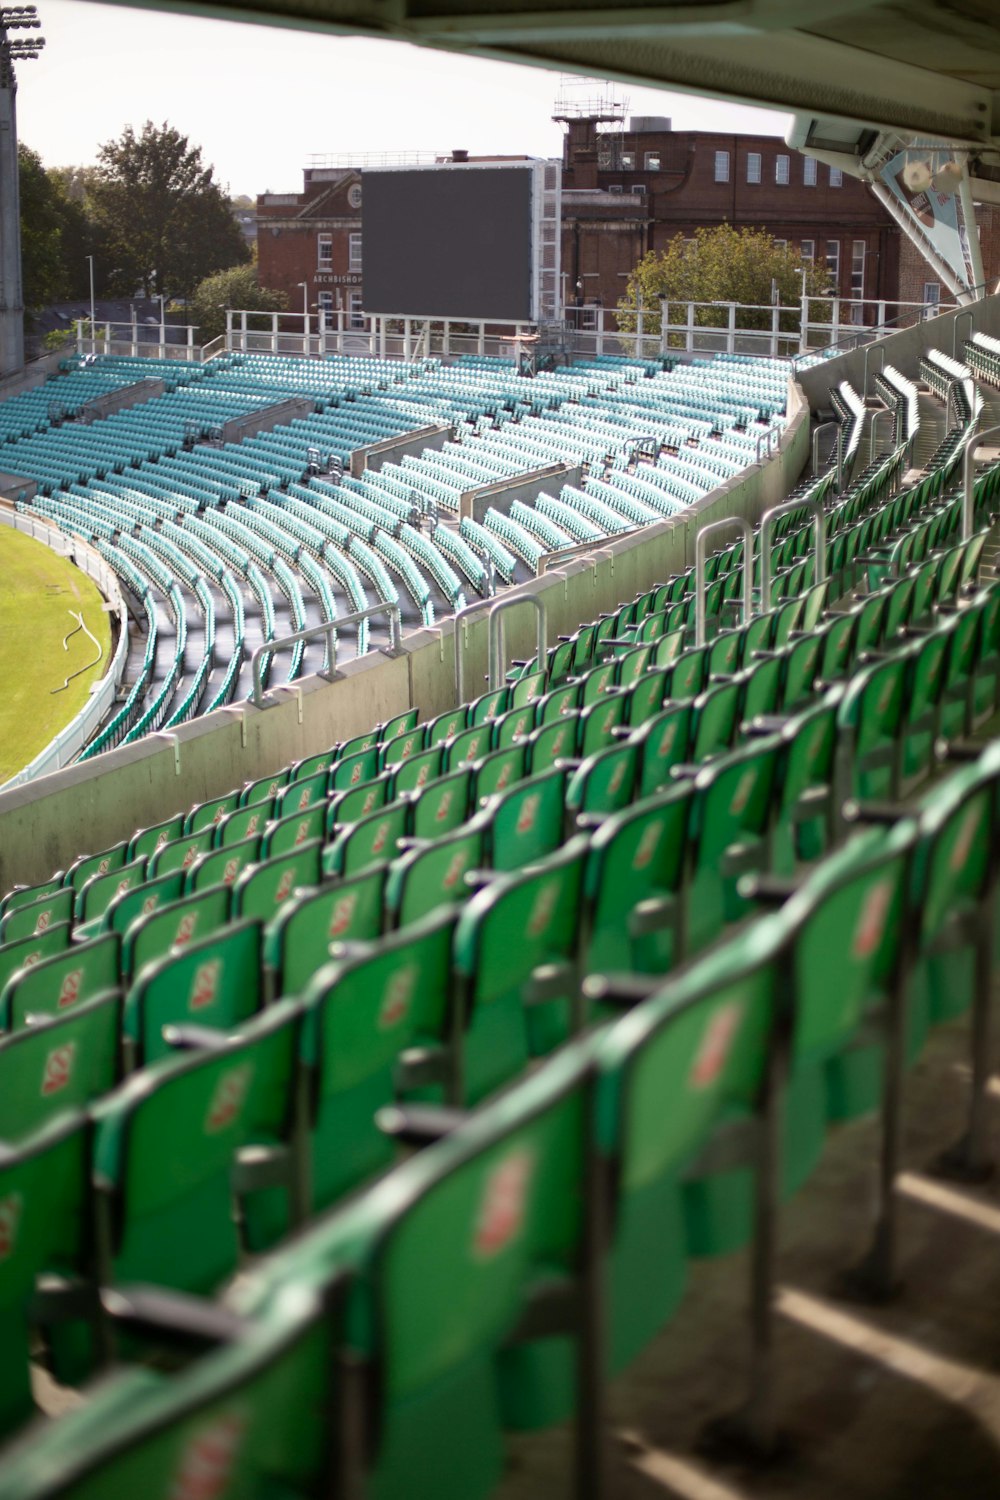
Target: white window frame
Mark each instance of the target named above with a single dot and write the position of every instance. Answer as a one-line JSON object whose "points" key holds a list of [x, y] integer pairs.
{"points": [[754, 165], [782, 170], [324, 242], [652, 161], [324, 301], [836, 177], [833, 264], [858, 258], [810, 173], [354, 251], [809, 253], [932, 294], [628, 161], [355, 307], [722, 166]]}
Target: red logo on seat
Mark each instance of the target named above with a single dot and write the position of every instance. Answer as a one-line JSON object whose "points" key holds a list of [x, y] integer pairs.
{"points": [[667, 740], [455, 870], [371, 797], [123, 885], [544, 906], [505, 775], [617, 777], [715, 1045], [148, 905], [206, 1464], [232, 869], [407, 747], [381, 835], [341, 916], [185, 929], [44, 918], [205, 986], [397, 998], [190, 856], [741, 796], [301, 833], [423, 774], [871, 923], [253, 825], [10, 1218], [163, 838], [304, 799], [647, 847], [501, 1212], [284, 885], [355, 774], [443, 807], [965, 839], [104, 867], [58, 1068], [228, 1099], [69, 990], [529, 812]]}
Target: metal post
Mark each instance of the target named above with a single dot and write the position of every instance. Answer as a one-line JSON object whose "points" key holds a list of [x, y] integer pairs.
{"points": [[93, 307], [869, 349], [876, 417], [476, 607], [497, 642], [699, 571], [964, 312], [328, 629], [767, 526]]}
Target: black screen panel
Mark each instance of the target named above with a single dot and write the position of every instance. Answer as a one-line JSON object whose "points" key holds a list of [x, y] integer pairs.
{"points": [[448, 242]]}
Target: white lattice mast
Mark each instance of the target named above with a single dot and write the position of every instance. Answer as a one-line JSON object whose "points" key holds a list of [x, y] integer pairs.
{"points": [[13, 18]]}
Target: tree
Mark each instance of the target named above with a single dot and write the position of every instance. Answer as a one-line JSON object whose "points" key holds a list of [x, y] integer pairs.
{"points": [[167, 221], [238, 288], [720, 265], [42, 267]]}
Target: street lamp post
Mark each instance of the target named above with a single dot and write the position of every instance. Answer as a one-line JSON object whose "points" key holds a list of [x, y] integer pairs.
{"points": [[305, 316], [163, 326], [93, 312]]}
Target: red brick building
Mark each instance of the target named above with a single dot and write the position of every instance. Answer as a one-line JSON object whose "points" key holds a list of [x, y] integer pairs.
{"points": [[314, 237]]}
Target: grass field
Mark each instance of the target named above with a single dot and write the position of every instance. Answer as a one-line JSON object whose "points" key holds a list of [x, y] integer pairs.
{"points": [[37, 592]]}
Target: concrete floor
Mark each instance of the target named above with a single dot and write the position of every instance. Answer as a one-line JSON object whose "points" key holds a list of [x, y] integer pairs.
{"points": [[898, 1402]]}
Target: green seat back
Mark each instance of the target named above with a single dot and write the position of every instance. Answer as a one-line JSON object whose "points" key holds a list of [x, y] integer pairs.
{"points": [[152, 934], [729, 830], [214, 982], [222, 866], [35, 917], [148, 841], [207, 814], [181, 853], [96, 895], [434, 875], [339, 911], [263, 888], [443, 804], [635, 886], [372, 840], [59, 1063], [527, 820], [54, 984]]}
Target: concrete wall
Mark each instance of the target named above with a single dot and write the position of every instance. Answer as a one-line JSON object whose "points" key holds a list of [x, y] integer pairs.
{"points": [[238, 428], [119, 400], [35, 373], [16, 487], [527, 486], [391, 450], [902, 349], [90, 806]]}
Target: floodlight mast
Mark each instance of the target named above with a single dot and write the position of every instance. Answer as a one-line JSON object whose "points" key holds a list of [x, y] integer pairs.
{"points": [[13, 49]]}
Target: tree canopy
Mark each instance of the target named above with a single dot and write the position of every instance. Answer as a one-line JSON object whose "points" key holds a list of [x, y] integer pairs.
{"points": [[237, 287], [166, 221], [43, 221], [721, 264]]}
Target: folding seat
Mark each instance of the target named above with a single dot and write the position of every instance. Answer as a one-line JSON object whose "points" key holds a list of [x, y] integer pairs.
{"points": [[689, 675], [415, 772], [25, 895], [263, 888], [95, 895], [443, 803], [168, 1142], [668, 648], [323, 760], [558, 702], [926, 683], [447, 725], [205, 815], [347, 806], [372, 840], [59, 1063], [351, 769], [22, 923], [468, 745], [636, 887], [430, 875], [512, 726], [489, 706], [181, 853], [243, 823], [266, 788], [527, 821], [717, 714], [44, 1224], [56, 982], [222, 866], [725, 654], [598, 723], [515, 957], [214, 982], [603, 783], [870, 721], [256, 1409], [174, 924], [402, 724], [87, 865], [301, 793]]}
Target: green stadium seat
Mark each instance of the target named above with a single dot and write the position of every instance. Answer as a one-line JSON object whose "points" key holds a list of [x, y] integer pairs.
{"points": [[57, 982], [35, 917], [59, 1063]]}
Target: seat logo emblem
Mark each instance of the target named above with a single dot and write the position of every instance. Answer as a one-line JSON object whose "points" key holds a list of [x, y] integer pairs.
{"points": [[69, 990], [541, 912], [227, 1101], [185, 929], [742, 794], [871, 923], [284, 885], [231, 870], [529, 813], [501, 1211], [206, 984], [342, 914], [302, 832], [444, 807], [964, 841], [304, 799], [397, 998], [647, 847], [44, 918], [715, 1046], [381, 835], [206, 1464], [58, 1068]]}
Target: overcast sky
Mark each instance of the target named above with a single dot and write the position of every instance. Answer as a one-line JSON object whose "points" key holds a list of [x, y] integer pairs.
{"points": [[260, 101]]}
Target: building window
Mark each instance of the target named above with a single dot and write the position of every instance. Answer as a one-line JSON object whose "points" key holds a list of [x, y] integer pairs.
{"points": [[782, 169], [833, 263], [809, 165], [639, 190], [753, 166], [858, 269], [652, 161], [616, 187], [324, 301], [722, 166], [324, 251], [781, 244], [628, 161], [807, 250], [932, 294], [357, 316], [354, 252], [836, 177]]}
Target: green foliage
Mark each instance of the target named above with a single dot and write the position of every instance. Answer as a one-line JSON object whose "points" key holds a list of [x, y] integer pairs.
{"points": [[43, 271], [237, 288], [167, 222], [722, 264]]}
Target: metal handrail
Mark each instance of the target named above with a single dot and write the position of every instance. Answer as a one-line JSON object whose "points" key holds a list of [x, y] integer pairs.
{"points": [[968, 465], [549, 560], [767, 525], [328, 629], [953, 384], [964, 312], [824, 427], [497, 636], [476, 607], [699, 571], [879, 348], [876, 417]]}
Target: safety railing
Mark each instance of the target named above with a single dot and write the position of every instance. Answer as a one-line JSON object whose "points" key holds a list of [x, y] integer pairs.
{"points": [[496, 640], [329, 629], [766, 528], [968, 472], [743, 526], [817, 433]]}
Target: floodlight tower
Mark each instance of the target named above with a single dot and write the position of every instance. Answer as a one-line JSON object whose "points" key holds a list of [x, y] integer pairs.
{"points": [[13, 49]]}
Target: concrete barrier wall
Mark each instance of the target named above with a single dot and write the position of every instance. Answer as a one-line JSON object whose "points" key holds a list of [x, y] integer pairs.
{"points": [[527, 486], [121, 399], [35, 373], [238, 428], [391, 450], [90, 806], [16, 487]]}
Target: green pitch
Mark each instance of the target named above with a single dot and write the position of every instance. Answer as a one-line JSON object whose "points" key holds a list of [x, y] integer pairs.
{"points": [[37, 592]]}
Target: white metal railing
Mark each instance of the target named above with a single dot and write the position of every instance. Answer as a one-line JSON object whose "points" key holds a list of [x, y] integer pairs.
{"points": [[68, 743], [150, 340]]}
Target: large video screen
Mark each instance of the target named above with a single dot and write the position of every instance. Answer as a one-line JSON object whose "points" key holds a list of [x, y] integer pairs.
{"points": [[448, 242]]}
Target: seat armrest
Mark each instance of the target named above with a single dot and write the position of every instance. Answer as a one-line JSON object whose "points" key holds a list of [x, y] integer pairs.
{"points": [[192, 1323], [194, 1038], [621, 991], [418, 1124], [766, 890], [880, 813]]}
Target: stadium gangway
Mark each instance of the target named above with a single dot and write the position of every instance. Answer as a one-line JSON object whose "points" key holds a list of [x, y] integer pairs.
{"points": [[745, 530], [329, 629], [817, 432], [767, 525], [496, 645]]}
